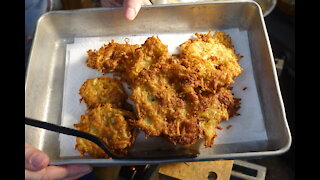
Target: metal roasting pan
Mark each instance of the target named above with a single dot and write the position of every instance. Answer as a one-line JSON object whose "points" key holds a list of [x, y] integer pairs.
{"points": [[45, 74]]}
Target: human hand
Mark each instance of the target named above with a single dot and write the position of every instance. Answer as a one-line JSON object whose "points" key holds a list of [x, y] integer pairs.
{"points": [[131, 7], [36, 167]]}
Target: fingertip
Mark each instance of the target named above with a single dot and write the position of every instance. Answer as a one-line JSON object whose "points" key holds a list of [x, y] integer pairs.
{"points": [[35, 159], [131, 8], [130, 14], [39, 160]]}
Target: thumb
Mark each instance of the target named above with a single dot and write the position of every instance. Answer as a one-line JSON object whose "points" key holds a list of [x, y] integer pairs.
{"points": [[35, 159], [131, 8]]}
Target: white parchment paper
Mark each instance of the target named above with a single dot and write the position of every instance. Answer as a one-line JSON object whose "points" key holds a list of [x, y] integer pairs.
{"points": [[247, 127]]}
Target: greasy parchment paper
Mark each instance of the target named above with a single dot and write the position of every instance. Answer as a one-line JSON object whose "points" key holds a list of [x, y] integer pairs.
{"points": [[247, 127]]}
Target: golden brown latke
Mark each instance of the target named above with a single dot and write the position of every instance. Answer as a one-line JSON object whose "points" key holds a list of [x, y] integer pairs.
{"points": [[150, 53], [102, 90], [111, 57], [110, 125], [219, 106], [214, 59], [167, 105], [127, 60]]}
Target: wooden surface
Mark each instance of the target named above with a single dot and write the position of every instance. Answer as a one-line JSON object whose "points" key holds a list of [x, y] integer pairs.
{"points": [[198, 170]]}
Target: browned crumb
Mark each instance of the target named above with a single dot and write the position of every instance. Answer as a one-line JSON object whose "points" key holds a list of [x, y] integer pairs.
{"points": [[219, 127]]}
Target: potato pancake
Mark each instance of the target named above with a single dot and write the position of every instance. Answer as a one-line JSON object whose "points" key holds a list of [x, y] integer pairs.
{"points": [[167, 105], [151, 52], [213, 57], [126, 60], [110, 125], [111, 57], [219, 106], [102, 90]]}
